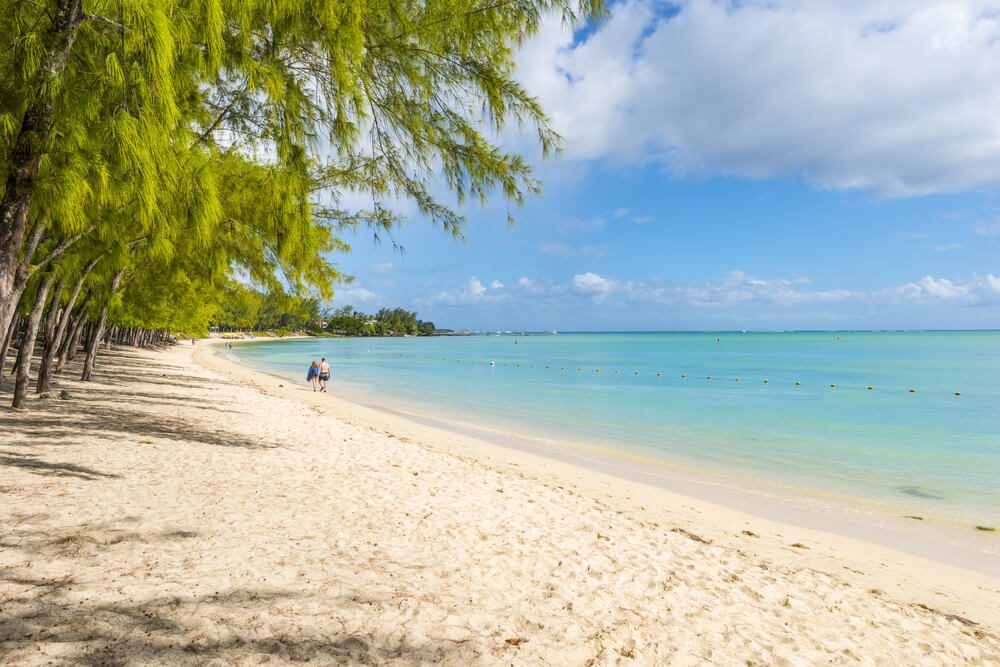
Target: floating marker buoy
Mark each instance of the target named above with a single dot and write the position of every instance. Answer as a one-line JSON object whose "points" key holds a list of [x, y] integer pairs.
{"points": [[546, 366], [833, 385], [519, 365], [737, 379], [579, 369], [564, 368], [797, 384], [659, 374], [598, 370], [637, 372], [765, 381], [913, 391], [709, 377], [616, 372], [683, 376], [870, 388], [958, 393]]}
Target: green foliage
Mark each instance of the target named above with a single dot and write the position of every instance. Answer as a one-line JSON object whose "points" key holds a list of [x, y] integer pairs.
{"points": [[387, 322], [196, 141], [239, 307]]}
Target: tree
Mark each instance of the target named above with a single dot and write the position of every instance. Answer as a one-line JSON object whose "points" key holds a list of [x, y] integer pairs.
{"points": [[186, 142]]}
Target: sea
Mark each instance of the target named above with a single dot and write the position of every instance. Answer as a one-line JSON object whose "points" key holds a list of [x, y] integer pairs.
{"points": [[893, 427]]}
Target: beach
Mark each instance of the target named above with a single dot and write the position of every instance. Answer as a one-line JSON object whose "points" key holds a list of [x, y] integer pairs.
{"points": [[183, 509]]}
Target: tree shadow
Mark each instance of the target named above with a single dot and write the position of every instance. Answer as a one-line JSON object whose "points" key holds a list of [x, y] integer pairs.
{"points": [[120, 423], [32, 463], [48, 621]]}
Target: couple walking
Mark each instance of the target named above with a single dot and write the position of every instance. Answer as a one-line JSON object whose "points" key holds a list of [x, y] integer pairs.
{"points": [[319, 374]]}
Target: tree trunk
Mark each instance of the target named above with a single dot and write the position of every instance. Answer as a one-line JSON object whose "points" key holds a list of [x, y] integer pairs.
{"points": [[56, 342], [26, 154], [7, 337], [111, 336], [80, 342], [51, 326], [27, 349], [52, 318], [69, 345], [98, 333]]}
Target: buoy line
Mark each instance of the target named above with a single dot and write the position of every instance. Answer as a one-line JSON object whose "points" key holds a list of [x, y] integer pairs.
{"points": [[832, 385]]}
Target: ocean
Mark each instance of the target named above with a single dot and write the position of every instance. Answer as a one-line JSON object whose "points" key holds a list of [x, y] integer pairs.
{"points": [[824, 416]]}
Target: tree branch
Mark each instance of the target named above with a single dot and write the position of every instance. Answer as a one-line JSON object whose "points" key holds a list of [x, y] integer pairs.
{"points": [[63, 246], [97, 18]]}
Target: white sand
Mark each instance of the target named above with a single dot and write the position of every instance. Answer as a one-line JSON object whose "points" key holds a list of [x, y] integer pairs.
{"points": [[268, 524]]}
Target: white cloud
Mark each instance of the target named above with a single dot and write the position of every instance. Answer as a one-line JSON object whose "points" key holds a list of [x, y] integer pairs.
{"points": [[980, 290], [988, 229], [473, 293], [739, 288], [383, 268], [736, 294], [352, 295], [735, 289], [896, 97], [592, 285]]}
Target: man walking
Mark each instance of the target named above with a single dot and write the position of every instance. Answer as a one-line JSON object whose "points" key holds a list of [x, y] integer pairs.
{"points": [[324, 373]]}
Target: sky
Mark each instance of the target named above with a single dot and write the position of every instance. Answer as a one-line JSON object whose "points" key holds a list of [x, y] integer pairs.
{"points": [[787, 164]]}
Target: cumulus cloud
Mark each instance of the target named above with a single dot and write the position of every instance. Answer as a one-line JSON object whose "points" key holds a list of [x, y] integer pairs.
{"points": [[472, 293], [354, 295], [898, 97], [980, 290], [735, 292], [735, 288]]}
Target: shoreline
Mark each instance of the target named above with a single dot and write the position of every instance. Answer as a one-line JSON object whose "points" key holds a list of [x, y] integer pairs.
{"points": [[866, 519], [165, 513], [863, 562]]}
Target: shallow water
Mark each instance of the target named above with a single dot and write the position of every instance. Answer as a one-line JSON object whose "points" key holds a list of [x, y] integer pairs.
{"points": [[928, 453]]}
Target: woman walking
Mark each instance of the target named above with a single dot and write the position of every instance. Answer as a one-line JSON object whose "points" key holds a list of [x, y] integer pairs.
{"points": [[313, 375]]}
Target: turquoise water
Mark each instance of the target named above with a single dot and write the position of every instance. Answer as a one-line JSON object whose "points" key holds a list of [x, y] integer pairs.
{"points": [[928, 452]]}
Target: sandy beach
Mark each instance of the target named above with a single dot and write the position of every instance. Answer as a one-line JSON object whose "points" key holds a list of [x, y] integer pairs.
{"points": [[181, 509]]}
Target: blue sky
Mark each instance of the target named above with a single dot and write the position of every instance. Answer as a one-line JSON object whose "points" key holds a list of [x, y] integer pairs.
{"points": [[760, 166]]}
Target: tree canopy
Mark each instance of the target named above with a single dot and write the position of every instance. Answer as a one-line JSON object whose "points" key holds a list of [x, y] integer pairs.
{"points": [[154, 152]]}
